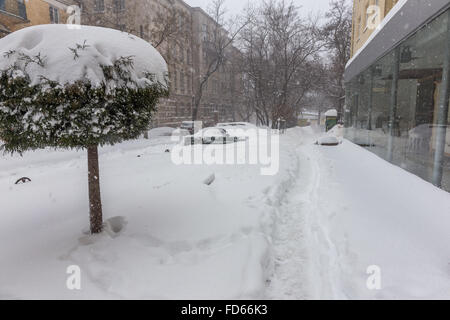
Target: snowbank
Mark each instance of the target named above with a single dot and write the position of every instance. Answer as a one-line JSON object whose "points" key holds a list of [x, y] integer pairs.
{"points": [[168, 235], [161, 132], [312, 231], [372, 213], [337, 131], [328, 141], [65, 55], [334, 136]]}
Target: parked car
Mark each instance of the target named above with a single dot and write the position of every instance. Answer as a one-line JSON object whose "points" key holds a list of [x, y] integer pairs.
{"points": [[236, 125], [190, 126], [238, 129], [212, 135]]}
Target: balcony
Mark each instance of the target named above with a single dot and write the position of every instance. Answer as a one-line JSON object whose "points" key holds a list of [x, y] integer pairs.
{"points": [[13, 11]]}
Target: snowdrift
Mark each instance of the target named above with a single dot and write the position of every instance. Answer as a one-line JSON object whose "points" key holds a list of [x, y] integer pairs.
{"points": [[85, 51]]}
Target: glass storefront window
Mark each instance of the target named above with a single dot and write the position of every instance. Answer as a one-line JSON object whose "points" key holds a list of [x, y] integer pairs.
{"points": [[407, 133]]}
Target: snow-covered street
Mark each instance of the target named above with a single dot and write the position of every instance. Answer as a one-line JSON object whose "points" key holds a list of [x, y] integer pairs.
{"points": [[311, 231]]}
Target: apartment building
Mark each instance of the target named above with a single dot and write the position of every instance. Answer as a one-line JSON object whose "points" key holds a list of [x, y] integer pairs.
{"points": [[12, 14], [178, 32], [398, 85], [18, 14], [366, 13], [223, 91]]}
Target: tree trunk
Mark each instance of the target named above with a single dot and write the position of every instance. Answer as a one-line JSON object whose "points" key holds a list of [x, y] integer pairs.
{"points": [[95, 202], [195, 109]]}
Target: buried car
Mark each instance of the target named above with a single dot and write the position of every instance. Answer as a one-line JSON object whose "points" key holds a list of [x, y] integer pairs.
{"points": [[211, 135], [242, 130], [191, 126]]}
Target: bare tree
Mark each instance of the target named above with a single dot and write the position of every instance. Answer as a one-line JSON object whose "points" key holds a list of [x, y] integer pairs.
{"points": [[107, 13], [337, 33], [165, 26], [280, 49], [217, 45], [168, 23]]}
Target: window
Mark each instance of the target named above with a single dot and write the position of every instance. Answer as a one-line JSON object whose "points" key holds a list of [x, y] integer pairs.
{"points": [[175, 81], [188, 56], [205, 32], [181, 54], [188, 83], [182, 82], [54, 14], [180, 21], [119, 5], [99, 6]]}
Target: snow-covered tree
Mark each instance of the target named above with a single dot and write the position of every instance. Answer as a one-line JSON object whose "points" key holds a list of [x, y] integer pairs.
{"points": [[77, 88], [337, 33]]}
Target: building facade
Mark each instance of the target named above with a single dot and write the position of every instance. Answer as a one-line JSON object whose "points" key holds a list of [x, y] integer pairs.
{"points": [[397, 90], [178, 33], [366, 15], [12, 14], [18, 14], [223, 92]]}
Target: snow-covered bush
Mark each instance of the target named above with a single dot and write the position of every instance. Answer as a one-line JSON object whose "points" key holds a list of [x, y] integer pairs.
{"points": [[77, 88]]}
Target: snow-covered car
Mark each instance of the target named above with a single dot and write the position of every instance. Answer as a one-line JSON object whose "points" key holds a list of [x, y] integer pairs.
{"points": [[236, 125], [239, 129], [190, 126], [212, 135]]}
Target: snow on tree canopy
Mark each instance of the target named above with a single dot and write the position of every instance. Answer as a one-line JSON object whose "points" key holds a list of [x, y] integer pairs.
{"points": [[64, 55], [76, 88]]}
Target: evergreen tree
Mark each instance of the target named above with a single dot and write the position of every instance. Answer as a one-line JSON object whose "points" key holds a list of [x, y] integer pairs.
{"points": [[80, 114]]}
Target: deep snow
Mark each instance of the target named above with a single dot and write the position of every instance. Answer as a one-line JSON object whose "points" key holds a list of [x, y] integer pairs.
{"points": [[65, 54], [311, 231]]}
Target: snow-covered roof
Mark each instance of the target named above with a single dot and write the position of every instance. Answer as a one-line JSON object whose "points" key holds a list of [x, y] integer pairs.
{"points": [[66, 55], [331, 113]]}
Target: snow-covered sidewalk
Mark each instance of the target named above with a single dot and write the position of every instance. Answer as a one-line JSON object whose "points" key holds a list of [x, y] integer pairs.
{"points": [[311, 231], [349, 210]]}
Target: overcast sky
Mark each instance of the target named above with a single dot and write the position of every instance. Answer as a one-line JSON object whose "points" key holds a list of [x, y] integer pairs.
{"points": [[236, 6]]}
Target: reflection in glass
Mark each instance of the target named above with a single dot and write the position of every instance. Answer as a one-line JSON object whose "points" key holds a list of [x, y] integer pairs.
{"points": [[398, 120]]}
